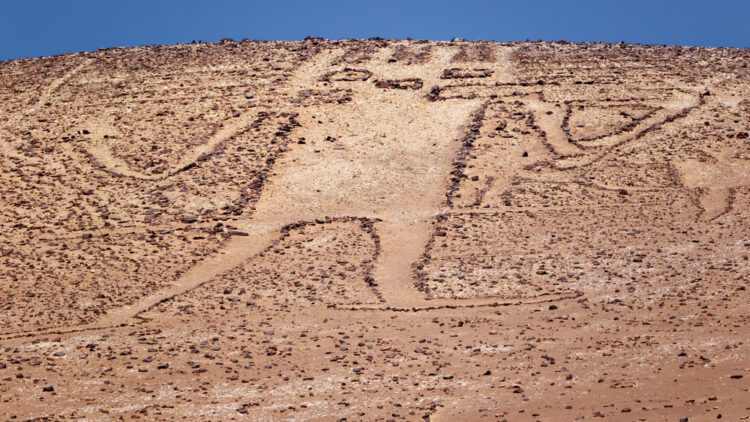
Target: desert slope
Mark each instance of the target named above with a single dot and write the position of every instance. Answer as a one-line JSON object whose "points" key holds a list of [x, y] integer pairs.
{"points": [[376, 230]]}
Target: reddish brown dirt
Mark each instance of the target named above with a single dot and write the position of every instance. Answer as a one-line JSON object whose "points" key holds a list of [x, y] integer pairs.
{"points": [[376, 230]]}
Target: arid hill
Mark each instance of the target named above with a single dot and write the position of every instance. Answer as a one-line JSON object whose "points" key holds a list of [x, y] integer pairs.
{"points": [[376, 230]]}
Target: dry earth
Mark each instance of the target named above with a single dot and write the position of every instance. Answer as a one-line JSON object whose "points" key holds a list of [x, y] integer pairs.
{"points": [[376, 230]]}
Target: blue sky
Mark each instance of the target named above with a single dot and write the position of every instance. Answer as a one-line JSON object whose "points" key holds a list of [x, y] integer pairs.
{"points": [[32, 28]]}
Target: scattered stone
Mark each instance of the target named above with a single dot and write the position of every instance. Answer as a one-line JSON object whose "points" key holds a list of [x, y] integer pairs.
{"points": [[408, 83]]}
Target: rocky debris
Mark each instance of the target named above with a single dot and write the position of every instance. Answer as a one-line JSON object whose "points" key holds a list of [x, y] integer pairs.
{"points": [[347, 74], [189, 219], [467, 143], [434, 93], [462, 90], [411, 54], [408, 83], [475, 52], [459, 73], [358, 51]]}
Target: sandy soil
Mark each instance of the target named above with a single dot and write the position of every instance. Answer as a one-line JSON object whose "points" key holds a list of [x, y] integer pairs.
{"points": [[376, 230]]}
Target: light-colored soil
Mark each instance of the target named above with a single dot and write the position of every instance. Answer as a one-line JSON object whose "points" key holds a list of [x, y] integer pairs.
{"points": [[376, 230]]}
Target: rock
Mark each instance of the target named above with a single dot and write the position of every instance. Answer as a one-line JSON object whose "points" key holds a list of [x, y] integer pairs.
{"points": [[189, 219], [408, 83], [237, 233], [434, 93], [48, 388]]}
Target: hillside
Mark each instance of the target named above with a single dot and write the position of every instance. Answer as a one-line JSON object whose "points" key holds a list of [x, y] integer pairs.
{"points": [[376, 230]]}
